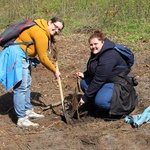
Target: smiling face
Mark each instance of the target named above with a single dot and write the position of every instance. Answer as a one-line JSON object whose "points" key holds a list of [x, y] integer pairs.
{"points": [[95, 45], [55, 28]]}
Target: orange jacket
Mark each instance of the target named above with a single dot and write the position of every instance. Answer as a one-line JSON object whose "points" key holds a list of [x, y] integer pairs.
{"points": [[40, 35]]}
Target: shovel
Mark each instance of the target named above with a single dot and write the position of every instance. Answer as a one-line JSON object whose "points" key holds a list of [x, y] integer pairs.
{"points": [[66, 117]]}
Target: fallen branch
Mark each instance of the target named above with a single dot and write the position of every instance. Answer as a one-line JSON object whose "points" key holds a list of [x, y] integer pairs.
{"points": [[51, 105]]}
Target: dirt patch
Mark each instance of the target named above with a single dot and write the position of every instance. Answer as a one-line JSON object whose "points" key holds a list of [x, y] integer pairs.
{"points": [[85, 134]]}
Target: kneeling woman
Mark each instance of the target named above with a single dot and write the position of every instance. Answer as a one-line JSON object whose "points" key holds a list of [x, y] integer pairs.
{"points": [[106, 81]]}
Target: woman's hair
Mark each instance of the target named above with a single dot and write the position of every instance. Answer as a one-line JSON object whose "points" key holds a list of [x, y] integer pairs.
{"points": [[55, 19], [53, 46], [97, 34]]}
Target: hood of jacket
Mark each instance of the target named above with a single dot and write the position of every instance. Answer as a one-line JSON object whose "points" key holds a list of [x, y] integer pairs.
{"points": [[107, 45], [42, 23]]}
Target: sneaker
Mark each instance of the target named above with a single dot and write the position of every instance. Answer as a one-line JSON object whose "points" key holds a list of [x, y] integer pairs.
{"points": [[25, 122], [32, 115]]}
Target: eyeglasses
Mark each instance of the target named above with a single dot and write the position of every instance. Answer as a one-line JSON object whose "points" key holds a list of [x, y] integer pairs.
{"points": [[56, 27]]}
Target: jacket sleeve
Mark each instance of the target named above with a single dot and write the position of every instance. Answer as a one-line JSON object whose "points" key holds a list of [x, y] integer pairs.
{"points": [[41, 44], [104, 68]]}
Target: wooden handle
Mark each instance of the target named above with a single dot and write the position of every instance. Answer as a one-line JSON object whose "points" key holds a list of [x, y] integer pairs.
{"points": [[60, 88]]}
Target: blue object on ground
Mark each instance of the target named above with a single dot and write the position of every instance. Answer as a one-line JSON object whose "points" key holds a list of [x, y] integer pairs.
{"points": [[137, 120]]}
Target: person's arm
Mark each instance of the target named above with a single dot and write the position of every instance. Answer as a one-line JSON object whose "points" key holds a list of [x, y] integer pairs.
{"points": [[86, 74], [41, 46], [104, 68]]}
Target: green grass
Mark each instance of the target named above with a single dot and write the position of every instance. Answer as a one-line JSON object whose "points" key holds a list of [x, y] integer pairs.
{"points": [[124, 21]]}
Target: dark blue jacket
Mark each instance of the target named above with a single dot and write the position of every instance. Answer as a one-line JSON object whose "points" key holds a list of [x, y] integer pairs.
{"points": [[100, 67]]}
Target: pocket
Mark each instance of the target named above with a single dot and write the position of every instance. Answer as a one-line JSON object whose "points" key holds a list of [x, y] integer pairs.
{"points": [[25, 63]]}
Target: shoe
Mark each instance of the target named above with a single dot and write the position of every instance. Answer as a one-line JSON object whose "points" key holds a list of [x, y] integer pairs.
{"points": [[32, 115], [25, 122]]}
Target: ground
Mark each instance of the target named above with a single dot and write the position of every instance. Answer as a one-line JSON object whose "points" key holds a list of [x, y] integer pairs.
{"points": [[89, 132]]}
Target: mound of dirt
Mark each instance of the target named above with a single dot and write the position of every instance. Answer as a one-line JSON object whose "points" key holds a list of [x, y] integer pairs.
{"points": [[88, 133]]}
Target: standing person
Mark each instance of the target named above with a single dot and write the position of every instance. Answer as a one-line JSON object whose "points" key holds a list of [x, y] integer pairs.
{"points": [[106, 81], [17, 59]]}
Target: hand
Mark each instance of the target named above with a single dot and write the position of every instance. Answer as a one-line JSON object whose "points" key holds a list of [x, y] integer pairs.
{"points": [[34, 61], [57, 74], [80, 74], [81, 102]]}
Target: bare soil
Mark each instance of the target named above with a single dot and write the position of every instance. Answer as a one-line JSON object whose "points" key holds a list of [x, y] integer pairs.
{"points": [[88, 133]]}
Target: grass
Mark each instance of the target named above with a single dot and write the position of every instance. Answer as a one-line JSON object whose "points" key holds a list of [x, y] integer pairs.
{"points": [[124, 21]]}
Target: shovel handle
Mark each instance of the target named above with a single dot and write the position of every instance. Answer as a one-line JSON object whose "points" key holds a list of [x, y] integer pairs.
{"points": [[60, 88]]}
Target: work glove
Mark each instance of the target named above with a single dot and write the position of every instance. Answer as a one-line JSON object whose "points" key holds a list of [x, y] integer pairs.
{"points": [[34, 62]]}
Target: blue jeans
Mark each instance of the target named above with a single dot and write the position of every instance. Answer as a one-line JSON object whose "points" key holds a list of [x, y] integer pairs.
{"points": [[21, 95], [103, 97]]}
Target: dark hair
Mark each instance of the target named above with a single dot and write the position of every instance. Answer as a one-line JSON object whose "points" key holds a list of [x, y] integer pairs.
{"points": [[55, 19], [53, 46], [98, 34]]}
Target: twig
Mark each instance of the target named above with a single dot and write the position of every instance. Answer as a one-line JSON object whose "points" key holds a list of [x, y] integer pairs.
{"points": [[51, 105]]}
